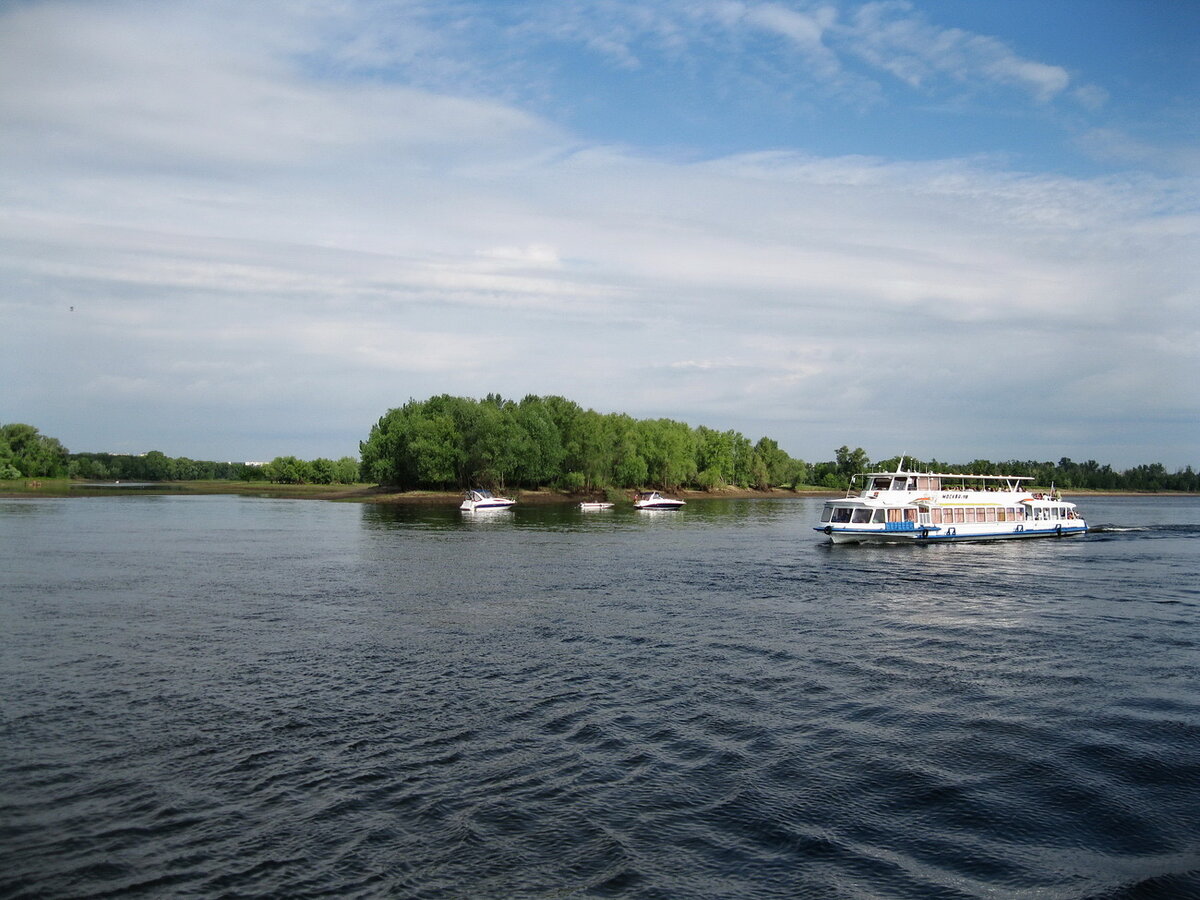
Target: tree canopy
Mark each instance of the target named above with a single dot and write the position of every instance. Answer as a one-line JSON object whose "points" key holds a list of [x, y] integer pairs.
{"points": [[447, 441], [25, 452]]}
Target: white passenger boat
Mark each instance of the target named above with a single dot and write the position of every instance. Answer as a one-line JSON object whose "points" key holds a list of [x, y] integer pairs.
{"points": [[655, 500], [928, 507], [478, 500]]}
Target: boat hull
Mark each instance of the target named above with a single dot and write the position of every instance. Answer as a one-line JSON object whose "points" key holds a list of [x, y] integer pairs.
{"points": [[487, 506], [944, 536]]}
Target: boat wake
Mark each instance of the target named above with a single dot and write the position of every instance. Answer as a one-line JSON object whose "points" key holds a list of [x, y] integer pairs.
{"points": [[1157, 530]]}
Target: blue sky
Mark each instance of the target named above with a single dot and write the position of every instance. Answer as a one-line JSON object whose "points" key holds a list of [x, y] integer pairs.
{"points": [[235, 231]]}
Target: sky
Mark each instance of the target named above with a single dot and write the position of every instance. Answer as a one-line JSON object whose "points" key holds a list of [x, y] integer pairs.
{"points": [[961, 230]]}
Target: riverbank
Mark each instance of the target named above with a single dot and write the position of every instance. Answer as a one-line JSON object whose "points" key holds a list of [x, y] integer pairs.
{"points": [[370, 493], [361, 493]]}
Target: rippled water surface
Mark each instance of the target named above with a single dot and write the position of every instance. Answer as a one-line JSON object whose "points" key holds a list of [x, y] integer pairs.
{"points": [[223, 696]]}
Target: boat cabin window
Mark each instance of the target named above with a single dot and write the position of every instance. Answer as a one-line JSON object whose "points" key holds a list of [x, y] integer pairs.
{"points": [[861, 516], [880, 484], [841, 514], [880, 517]]}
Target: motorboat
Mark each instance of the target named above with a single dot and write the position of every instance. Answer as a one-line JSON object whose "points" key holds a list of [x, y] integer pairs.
{"points": [[655, 500], [593, 505], [933, 507], [478, 499]]}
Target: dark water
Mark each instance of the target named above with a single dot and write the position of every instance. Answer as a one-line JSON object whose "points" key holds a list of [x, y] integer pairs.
{"points": [[234, 697]]}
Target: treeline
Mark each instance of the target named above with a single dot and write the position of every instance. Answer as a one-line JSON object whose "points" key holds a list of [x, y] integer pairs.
{"points": [[549, 441], [450, 441], [154, 466], [290, 470], [26, 453], [157, 466], [1068, 475]]}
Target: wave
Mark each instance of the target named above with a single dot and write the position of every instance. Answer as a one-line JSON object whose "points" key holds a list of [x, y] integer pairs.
{"points": [[1171, 530]]}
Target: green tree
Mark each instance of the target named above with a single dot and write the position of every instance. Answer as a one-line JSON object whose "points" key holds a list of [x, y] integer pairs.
{"points": [[322, 470], [629, 468], [669, 450], [851, 462], [714, 458], [32, 454], [288, 470], [345, 470], [542, 457]]}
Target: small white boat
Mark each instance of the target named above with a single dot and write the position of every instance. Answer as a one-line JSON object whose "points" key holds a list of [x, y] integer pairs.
{"points": [[477, 500], [934, 507], [591, 505], [655, 500]]}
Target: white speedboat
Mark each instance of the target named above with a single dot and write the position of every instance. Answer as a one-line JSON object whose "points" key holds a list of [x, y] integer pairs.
{"points": [[477, 500], [929, 507], [655, 500], [593, 505]]}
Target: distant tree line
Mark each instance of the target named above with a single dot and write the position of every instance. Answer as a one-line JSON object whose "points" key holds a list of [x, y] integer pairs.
{"points": [[1068, 474], [26, 453], [447, 441], [157, 466], [290, 470], [1064, 474], [549, 441]]}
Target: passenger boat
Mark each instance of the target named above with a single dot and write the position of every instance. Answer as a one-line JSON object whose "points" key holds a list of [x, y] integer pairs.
{"points": [[477, 500], [928, 507], [655, 500]]}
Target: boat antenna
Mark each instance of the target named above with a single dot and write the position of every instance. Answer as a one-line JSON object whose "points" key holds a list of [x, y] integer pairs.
{"points": [[900, 465]]}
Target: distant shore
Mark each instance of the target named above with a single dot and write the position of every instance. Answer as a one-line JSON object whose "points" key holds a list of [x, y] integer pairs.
{"points": [[361, 493]]}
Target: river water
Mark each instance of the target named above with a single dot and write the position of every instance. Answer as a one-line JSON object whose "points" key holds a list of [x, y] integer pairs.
{"points": [[247, 697]]}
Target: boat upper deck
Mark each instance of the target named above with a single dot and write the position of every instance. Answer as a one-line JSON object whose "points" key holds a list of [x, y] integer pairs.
{"points": [[876, 482]]}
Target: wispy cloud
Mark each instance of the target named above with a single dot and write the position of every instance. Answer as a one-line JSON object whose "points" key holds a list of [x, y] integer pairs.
{"points": [[894, 38]]}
